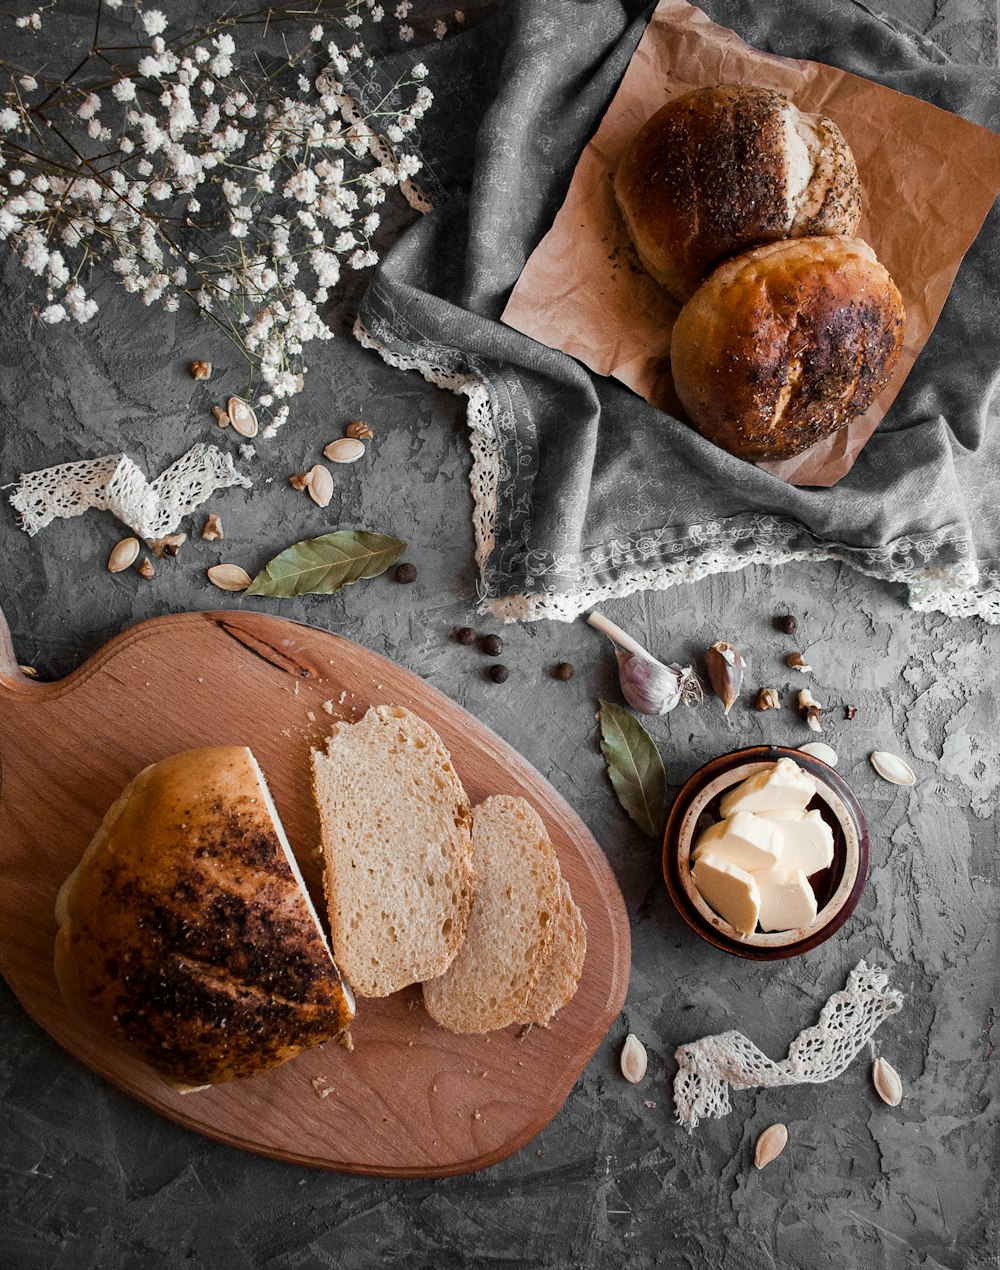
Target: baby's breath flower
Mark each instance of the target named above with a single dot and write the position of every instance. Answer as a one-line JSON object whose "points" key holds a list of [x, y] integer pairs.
{"points": [[287, 183], [153, 22]]}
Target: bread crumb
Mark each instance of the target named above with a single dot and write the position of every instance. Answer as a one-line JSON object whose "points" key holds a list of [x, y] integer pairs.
{"points": [[476, 1115], [651, 1105], [311, 716], [343, 697], [347, 1042], [328, 706]]}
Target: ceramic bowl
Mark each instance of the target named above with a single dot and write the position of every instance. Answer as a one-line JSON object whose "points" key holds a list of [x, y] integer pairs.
{"points": [[837, 888]]}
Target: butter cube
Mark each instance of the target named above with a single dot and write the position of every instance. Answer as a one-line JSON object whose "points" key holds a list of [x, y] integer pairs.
{"points": [[745, 840], [787, 901], [783, 787], [729, 890], [806, 839]]}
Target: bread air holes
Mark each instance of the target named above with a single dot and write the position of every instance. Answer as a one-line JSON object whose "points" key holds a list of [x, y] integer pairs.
{"points": [[446, 927]]}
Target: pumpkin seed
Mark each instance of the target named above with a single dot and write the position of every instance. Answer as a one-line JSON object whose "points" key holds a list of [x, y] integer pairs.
{"points": [[892, 768], [345, 450], [124, 554], [633, 1059], [819, 749], [887, 1082], [770, 1145], [320, 485], [229, 577], [242, 417]]}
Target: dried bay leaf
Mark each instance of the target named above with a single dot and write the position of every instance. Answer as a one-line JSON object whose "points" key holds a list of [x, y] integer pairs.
{"points": [[635, 768], [321, 566]]}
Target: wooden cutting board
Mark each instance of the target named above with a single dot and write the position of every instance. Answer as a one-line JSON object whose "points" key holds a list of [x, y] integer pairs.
{"points": [[412, 1099]]}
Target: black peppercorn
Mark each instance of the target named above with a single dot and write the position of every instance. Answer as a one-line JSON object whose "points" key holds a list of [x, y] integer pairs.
{"points": [[498, 673], [492, 645], [786, 624], [405, 573], [465, 635], [563, 671]]}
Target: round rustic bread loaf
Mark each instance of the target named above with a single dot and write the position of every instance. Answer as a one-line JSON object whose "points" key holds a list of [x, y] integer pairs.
{"points": [[722, 169], [785, 344], [186, 929]]}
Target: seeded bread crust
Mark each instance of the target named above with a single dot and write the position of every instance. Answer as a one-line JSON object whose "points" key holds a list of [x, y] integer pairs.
{"points": [[185, 931], [397, 850], [491, 981]]}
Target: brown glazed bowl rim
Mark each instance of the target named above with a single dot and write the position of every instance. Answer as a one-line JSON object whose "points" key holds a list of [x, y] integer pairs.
{"points": [[698, 791]]}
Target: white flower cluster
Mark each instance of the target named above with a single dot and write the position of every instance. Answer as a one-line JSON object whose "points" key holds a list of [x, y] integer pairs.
{"points": [[244, 193]]}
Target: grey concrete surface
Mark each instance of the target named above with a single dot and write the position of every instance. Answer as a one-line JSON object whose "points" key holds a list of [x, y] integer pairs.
{"points": [[89, 1179]]}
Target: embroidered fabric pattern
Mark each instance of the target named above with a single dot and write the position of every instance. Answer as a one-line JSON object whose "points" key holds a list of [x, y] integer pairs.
{"points": [[936, 568], [709, 1068]]}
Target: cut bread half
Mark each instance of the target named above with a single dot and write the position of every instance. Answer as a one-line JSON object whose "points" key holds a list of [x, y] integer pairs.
{"points": [[563, 966], [497, 969], [187, 931], [397, 850]]}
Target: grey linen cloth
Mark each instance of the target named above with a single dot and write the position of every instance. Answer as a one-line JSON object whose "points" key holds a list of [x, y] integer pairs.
{"points": [[583, 491]]}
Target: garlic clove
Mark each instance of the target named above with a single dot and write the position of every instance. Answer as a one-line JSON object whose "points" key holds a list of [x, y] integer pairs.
{"points": [[647, 685], [725, 665]]}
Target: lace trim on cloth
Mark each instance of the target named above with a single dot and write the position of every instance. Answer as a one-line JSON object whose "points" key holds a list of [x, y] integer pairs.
{"points": [[958, 588], [709, 1068], [115, 484]]}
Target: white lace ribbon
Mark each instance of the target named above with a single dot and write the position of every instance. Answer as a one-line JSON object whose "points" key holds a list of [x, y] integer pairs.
{"points": [[709, 1068], [115, 484], [958, 589]]}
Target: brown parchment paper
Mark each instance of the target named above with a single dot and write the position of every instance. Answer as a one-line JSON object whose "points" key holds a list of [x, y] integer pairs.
{"points": [[929, 179]]}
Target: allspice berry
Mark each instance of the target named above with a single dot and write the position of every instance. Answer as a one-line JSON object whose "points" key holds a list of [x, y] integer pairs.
{"points": [[563, 671], [464, 635], [498, 673], [492, 646], [405, 573], [786, 624]]}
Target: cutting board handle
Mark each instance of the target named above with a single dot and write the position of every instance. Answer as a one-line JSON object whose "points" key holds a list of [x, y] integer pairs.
{"points": [[10, 671]]}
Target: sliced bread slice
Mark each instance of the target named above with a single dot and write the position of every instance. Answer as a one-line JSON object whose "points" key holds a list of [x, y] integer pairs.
{"points": [[489, 983], [397, 850], [564, 964]]}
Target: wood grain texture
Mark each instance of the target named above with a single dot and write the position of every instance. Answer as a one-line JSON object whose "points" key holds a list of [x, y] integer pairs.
{"points": [[412, 1099]]}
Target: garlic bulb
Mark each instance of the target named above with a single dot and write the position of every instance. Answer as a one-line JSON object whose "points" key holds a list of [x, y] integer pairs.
{"points": [[647, 684]]}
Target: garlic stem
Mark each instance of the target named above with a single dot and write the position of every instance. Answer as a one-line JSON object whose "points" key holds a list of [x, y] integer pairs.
{"points": [[616, 634]]}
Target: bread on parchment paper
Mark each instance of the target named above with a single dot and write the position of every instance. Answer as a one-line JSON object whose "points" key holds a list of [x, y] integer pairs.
{"points": [[519, 895], [397, 850], [786, 344], [563, 964], [186, 929], [719, 170]]}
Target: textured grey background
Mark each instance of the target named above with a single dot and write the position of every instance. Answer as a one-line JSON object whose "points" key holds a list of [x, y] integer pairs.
{"points": [[90, 1179]]}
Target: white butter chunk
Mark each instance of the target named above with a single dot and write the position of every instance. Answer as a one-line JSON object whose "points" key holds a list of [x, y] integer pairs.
{"points": [[806, 839], [745, 840], [787, 901], [729, 890], [783, 787]]}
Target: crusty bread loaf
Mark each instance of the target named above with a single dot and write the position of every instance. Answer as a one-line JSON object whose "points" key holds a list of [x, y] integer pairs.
{"points": [[397, 850], [186, 929], [563, 964], [784, 345], [719, 170], [510, 932]]}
